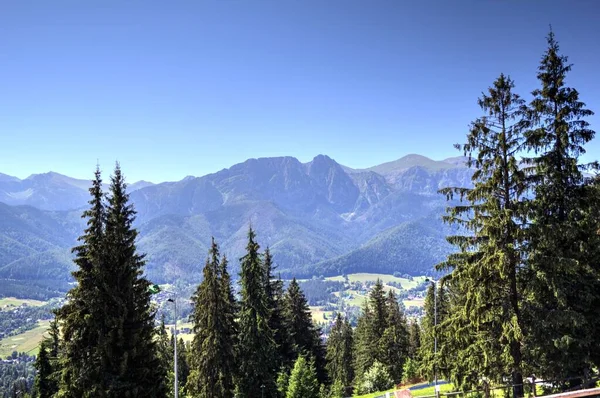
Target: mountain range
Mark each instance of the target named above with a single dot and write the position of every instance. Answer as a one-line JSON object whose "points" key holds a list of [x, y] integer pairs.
{"points": [[318, 218]]}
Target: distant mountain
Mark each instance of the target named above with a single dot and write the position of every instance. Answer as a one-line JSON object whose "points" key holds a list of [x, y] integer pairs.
{"points": [[35, 248], [49, 191], [317, 217], [7, 178], [409, 248]]}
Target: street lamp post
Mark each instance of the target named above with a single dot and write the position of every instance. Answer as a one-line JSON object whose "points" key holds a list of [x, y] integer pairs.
{"points": [[174, 301], [155, 289]]}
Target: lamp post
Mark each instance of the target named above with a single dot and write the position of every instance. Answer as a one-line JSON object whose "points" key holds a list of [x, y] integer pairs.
{"points": [[434, 283], [155, 289], [174, 301]]}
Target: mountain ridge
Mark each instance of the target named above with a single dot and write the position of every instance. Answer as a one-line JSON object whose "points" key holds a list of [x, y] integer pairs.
{"points": [[317, 217]]}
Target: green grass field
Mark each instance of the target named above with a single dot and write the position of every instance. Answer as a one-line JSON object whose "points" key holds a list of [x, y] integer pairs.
{"points": [[366, 277], [424, 392], [318, 315], [25, 342], [414, 303], [10, 302]]}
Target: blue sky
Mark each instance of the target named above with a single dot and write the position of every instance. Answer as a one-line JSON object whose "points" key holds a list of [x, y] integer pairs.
{"points": [[190, 87]]}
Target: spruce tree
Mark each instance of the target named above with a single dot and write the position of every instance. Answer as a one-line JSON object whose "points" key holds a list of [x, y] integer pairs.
{"points": [[304, 337], [379, 314], [127, 348], [165, 351], [562, 265], [428, 362], [212, 356], [276, 302], [364, 355], [371, 327], [229, 311], [339, 352], [47, 364], [183, 367], [393, 345], [81, 317], [44, 386], [486, 268], [348, 356], [303, 381], [257, 348], [414, 340]]}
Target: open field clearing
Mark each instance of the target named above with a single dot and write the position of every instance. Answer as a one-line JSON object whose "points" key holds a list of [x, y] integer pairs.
{"points": [[10, 302], [25, 342], [367, 277], [419, 302]]}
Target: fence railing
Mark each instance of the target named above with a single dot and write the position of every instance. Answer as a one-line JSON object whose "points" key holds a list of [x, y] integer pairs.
{"points": [[530, 388]]}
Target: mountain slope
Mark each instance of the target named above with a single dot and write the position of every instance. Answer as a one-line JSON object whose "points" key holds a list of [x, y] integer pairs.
{"points": [[409, 248], [49, 191], [317, 217]]}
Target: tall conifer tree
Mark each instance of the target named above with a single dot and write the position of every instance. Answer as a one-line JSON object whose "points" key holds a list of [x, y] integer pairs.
{"points": [[276, 302], [127, 348], [414, 340], [429, 363], [486, 269], [339, 352], [305, 338], [257, 347], [393, 345], [364, 355], [212, 356], [564, 271], [379, 315], [81, 317]]}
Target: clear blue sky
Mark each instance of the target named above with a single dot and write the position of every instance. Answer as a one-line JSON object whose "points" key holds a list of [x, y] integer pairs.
{"points": [[176, 88]]}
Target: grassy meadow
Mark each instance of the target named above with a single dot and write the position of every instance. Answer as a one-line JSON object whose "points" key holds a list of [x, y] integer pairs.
{"points": [[10, 302], [25, 342]]}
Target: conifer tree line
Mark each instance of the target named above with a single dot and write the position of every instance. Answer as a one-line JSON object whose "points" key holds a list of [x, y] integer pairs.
{"points": [[523, 295]]}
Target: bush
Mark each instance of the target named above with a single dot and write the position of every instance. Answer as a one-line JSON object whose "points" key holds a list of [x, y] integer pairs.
{"points": [[410, 371], [376, 379]]}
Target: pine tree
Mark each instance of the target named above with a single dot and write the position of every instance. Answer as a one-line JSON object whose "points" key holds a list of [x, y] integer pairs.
{"points": [[44, 386], [303, 380], [348, 356], [339, 352], [414, 340], [183, 366], [304, 337], [428, 362], [276, 303], [165, 351], [81, 317], [564, 274], [486, 269], [369, 335], [257, 349], [379, 314], [127, 349], [212, 356], [46, 364], [393, 345], [364, 355]]}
